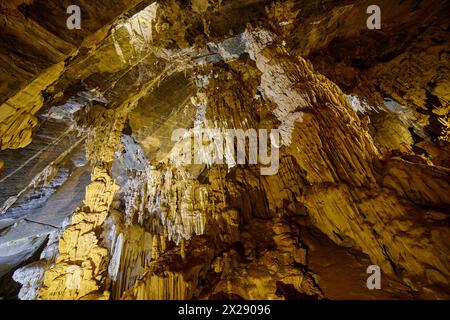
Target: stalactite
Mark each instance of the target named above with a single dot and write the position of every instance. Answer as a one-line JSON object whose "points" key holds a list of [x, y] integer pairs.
{"points": [[361, 161], [170, 286]]}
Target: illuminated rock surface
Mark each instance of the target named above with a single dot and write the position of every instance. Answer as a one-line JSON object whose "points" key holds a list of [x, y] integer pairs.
{"points": [[95, 205]]}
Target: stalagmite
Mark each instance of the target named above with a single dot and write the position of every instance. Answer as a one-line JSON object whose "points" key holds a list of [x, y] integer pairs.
{"points": [[68, 279]]}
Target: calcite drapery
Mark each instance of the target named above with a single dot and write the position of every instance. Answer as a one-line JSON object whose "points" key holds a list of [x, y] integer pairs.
{"points": [[368, 173], [17, 115], [341, 190], [342, 219]]}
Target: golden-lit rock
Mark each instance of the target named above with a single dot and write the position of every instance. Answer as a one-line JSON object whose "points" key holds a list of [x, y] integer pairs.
{"points": [[17, 120], [362, 176], [81, 268]]}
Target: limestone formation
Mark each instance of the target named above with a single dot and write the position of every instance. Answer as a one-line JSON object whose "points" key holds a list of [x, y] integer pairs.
{"points": [[117, 180], [80, 269]]}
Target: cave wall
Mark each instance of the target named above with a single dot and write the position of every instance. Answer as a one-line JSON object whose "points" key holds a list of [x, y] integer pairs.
{"points": [[363, 172]]}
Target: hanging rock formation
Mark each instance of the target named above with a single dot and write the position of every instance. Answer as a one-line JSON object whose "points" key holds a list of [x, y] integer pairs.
{"points": [[209, 149]]}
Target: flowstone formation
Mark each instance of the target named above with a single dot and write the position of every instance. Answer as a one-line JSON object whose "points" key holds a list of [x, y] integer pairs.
{"points": [[225, 150]]}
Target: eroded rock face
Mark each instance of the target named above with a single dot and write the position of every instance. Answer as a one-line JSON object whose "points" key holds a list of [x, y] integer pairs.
{"points": [[42, 46], [360, 168], [390, 63]]}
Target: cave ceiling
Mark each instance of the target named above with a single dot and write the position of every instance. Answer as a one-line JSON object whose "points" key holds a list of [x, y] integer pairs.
{"points": [[117, 180]]}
